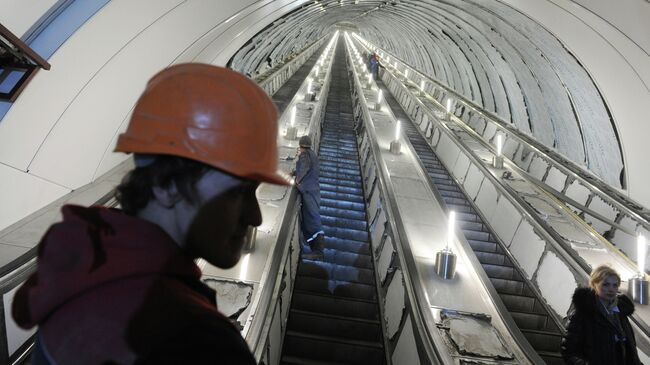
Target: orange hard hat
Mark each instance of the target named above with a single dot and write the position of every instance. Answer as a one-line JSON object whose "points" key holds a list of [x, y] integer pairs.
{"points": [[209, 114]]}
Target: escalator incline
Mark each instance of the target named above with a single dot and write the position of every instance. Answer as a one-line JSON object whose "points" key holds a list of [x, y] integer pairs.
{"points": [[334, 314], [521, 302]]}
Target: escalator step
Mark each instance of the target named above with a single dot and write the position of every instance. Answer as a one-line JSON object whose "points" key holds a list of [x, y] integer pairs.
{"points": [[484, 246], [471, 226], [491, 258], [513, 287], [342, 213], [339, 257], [355, 198], [338, 306], [501, 272], [331, 271], [346, 233], [544, 341], [360, 225], [340, 189], [337, 204], [338, 288], [330, 325], [346, 245], [530, 321], [340, 176], [292, 360], [327, 348], [519, 303], [334, 181]]}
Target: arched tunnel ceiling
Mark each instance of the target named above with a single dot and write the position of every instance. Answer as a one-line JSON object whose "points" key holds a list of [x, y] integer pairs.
{"points": [[485, 50]]}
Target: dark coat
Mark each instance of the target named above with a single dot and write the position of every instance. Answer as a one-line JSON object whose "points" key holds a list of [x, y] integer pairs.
{"points": [[590, 337], [115, 289]]}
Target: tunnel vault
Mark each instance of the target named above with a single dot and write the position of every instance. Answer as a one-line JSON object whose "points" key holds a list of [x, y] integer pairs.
{"points": [[490, 53]]}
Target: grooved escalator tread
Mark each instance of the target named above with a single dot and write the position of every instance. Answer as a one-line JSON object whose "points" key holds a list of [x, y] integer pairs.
{"points": [[334, 314], [293, 360]]}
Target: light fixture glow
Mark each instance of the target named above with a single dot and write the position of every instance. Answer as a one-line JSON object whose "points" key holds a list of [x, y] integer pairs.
{"points": [[397, 130], [406, 73], [293, 116], [499, 144], [388, 59], [451, 228], [379, 96], [641, 253], [448, 105], [422, 85], [244, 267], [309, 86]]}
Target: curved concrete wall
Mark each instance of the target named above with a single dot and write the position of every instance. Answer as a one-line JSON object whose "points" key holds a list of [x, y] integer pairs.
{"points": [[60, 133]]}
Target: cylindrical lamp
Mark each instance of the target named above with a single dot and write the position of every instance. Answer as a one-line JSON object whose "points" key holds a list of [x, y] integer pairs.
{"points": [[396, 146], [445, 259], [637, 287], [249, 239], [497, 160], [292, 131], [379, 98]]}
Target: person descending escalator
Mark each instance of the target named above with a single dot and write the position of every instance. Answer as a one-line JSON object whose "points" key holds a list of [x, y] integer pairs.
{"points": [[307, 173]]}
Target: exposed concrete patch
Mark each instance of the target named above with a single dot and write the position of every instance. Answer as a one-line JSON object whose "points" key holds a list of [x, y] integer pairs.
{"points": [[232, 297], [505, 220], [406, 351], [394, 305], [527, 248], [474, 335], [556, 283]]}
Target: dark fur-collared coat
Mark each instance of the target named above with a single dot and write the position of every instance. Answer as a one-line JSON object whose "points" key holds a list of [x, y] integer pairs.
{"points": [[591, 336]]}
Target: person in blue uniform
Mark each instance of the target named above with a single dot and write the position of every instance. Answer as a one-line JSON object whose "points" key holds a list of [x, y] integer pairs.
{"points": [[307, 173]]}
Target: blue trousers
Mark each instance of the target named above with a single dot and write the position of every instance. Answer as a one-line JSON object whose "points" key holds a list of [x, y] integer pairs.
{"points": [[310, 223]]}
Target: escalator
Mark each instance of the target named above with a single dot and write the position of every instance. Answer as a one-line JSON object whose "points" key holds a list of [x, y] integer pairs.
{"points": [[334, 314], [532, 318]]}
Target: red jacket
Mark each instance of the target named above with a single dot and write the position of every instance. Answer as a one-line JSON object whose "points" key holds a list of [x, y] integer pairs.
{"points": [[112, 288]]}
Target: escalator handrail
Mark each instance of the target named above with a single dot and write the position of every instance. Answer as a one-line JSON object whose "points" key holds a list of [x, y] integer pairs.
{"points": [[571, 169]]}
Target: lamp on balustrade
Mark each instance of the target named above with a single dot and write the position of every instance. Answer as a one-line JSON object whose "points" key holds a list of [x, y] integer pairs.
{"points": [[497, 160], [309, 95], [292, 131], [637, 287], [445, 258], [396, 146], [380, 96]]}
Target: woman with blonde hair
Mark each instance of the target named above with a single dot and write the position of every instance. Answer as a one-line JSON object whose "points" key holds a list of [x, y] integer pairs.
{"points": [[598, 329]]}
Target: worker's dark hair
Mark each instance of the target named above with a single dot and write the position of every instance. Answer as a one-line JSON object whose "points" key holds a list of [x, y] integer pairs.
{"points": [[135, 190]]}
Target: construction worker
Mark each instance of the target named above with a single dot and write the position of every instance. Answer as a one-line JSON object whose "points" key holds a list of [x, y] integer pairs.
{"points": [[307, 173], [121, 286]]}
